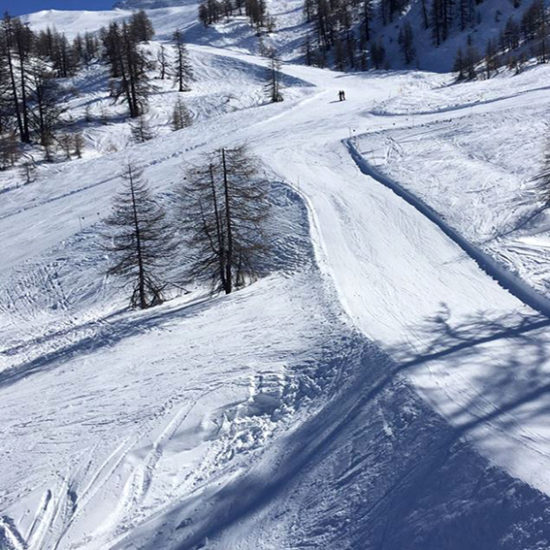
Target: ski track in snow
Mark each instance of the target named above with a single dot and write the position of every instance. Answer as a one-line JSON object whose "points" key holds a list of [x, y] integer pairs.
{"points": [[415, 418], [505, 278]]}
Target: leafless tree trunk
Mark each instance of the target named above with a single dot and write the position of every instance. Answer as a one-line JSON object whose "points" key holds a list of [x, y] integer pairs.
{"points": [[183, 70], [163, 62], [140, 243], [225, 211], [273, 87], [542, 181]]}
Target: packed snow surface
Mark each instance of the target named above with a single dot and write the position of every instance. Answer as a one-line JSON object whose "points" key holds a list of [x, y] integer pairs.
{"points": [[385, 386]]}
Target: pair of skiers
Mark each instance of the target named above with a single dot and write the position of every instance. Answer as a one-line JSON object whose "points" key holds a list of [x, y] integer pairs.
{"points": [[342, 95]]}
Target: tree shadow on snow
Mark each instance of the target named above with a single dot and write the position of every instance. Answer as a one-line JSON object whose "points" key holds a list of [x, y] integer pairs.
{"points": [[376, 468], [290, 251]]}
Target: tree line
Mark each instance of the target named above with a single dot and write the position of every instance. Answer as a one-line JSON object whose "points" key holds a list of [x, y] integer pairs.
{"points": [[348, 34], [130, 66], [212, 11], [222, 209], [33, 92], [519, 40], [29, 92]]}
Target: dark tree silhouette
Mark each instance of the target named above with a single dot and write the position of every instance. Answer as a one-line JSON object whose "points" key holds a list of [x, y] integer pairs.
{"points": [[183, 72], [139, 240], [225, 211], [273, 86], [129, 68], [543, 179]]}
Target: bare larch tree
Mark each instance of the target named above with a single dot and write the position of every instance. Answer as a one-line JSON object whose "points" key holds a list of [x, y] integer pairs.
{"points": [[162, 61], [273, 86], [183, 72], [181, 118], [226, 209], [140, 243], [542, 180]]}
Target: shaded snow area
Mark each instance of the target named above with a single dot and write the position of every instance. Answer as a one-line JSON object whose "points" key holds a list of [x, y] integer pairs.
{"points": [[385, 383]]}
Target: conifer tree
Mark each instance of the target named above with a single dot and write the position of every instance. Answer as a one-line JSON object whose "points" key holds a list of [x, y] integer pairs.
{"points": [[47, 111], [17, 41], [180, 116], [141, 129], [225, 212], [471, 59], [141, 27], [162, 62], [129, 68], [491, 61], [273, 86], [78, 144], [459, 65], [139, 242], [9, 150], [183, 72], [367, 19], [406, 43]]}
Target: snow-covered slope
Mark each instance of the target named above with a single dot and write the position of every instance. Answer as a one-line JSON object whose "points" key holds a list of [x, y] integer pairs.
{"points": [[380, 389], [165, 20], [489, 20], [490, 148]]}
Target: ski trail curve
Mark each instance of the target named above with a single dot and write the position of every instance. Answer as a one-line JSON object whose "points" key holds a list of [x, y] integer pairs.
{"points": [[506, 279]]}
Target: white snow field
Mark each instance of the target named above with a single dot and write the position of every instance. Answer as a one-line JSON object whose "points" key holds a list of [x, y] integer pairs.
{"points": [[385, 385]]}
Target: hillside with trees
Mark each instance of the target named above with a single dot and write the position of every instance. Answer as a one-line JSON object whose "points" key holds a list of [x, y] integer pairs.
{"points": [[42, 72], [439, 35], [251, 302]]}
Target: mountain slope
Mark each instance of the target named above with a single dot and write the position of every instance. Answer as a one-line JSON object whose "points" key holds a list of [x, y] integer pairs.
{"points": [[377, 390]]}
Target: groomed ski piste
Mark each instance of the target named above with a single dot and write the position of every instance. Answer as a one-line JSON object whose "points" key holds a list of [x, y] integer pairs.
{"points": [[385, 386]]}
